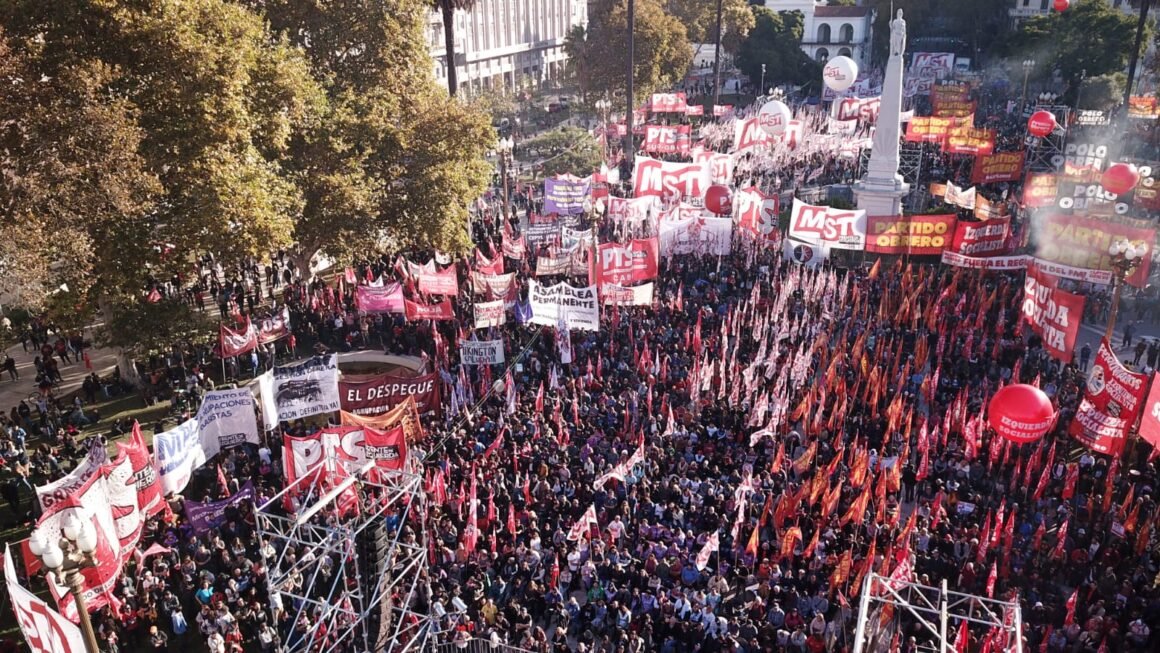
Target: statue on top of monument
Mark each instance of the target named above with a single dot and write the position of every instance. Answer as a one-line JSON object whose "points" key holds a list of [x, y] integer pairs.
{"points": [[897, 36]]}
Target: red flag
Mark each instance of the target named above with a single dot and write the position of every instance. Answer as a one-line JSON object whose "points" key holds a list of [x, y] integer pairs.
{"points": [[511, 519], [1037, 539], [991, 577], [963, 641], [1069, 619], [540, 398], [222, 480], [1061, 543], [1071, 479]]}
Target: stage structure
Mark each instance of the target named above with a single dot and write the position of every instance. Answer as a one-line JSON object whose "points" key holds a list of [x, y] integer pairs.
{"points": [[355, 583], [887, 603]]}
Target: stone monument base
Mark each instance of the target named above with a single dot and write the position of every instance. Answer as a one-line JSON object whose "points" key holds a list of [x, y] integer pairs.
{"points": [[881, 196]]}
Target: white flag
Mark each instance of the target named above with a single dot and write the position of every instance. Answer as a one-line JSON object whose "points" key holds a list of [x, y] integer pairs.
{"points": [[711, 546], [564, 341], [582, 526], [45, 630]]}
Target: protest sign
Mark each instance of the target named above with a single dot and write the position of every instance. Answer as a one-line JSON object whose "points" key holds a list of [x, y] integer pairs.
{"points": [[387, 298], [178, 453], [1083, 242], [226, 419], [489, 314], [208, 515], [1111, 402], [375, 394], [481, 352], [565, 194], [612, 294], [578, 306], [1054, 314], [981, 238], [826, 225], [1000, 166], [914, 234], [306, 388]]}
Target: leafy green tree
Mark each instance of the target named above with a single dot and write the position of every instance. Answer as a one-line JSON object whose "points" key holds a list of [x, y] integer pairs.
{"points": [[393, 159], [774, 42], [1102, 92], [700, 20], [139, 327], [600, 52], [567, 150], [76, 196], [1091, 37]]}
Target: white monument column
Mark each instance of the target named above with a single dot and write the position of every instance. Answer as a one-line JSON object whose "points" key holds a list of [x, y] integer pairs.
{"points": [[881, 191]]}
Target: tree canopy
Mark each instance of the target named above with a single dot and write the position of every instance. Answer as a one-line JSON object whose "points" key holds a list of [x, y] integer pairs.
{"points": [[774, 42], [700, 20], [1091, 37], [234, 127], [600, 52]]}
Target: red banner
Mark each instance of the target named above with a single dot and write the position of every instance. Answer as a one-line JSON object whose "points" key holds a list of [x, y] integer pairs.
{"points": [[914, 234], [237, 342], [625, 265], [1083, 242], [439, 283], [1039, 190], [275, 327], [1002, 166], [1054, 314], [1150, 422], [948, 108], [416, 311], [940, 94], [668, 103], [695, 110], [1111, 402], [388, 449], [970, 140], [666, 139], [720, 110], [981, 238], [374, 395], [149, 498], [933, 129]]}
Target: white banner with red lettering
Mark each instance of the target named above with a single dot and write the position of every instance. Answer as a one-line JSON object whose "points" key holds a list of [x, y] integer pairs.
{"points": [[854, 108], [670, 180], [612, 294], [489, 314], [748, 134], [720, 165], [668, 103], [666, 139], [45, 630], [439, 283], [756, 214], [633, 210], [481, 352], [825, 225]]}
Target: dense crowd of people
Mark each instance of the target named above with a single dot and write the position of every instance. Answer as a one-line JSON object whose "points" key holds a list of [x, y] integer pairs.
{"points": [[751, 446]]}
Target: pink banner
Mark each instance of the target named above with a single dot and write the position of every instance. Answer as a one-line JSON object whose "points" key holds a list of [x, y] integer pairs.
{"points": [[384, 299]]}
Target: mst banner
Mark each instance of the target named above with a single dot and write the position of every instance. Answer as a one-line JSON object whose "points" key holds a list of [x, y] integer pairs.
{"points": [[1111, 402], [825, 225], [1001, 166], [919, 235], [375, 394], [665, 179], [1054, 314], [481, 352], [578, 306], [1083, 242], [565, 195], [306, 389]]}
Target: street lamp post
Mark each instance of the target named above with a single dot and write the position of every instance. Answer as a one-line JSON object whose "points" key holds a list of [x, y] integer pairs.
{"points": [[1028, 65], [603, 105], [67, 560], [762, 89], [504, 149], [1126, 257]]}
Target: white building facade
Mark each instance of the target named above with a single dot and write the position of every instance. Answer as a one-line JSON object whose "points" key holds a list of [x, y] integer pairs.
{"points": [[829, 31], [507, 43], [1024, 9]]}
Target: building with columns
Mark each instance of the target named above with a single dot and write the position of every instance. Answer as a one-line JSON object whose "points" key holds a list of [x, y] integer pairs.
{"points": [[829, 31], [507, 43]]}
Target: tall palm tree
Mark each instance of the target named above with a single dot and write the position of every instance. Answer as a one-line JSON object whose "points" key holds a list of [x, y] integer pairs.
{"points": [[448, 7]]}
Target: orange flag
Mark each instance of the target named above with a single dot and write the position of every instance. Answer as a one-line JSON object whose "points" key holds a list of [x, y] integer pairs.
{"points": [[754, 540], [809, 552], [874, 269], [788, 541]]}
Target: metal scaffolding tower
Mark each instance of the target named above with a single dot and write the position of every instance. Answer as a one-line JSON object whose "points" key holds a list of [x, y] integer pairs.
{"points": [[887, 603], [349, 564]]}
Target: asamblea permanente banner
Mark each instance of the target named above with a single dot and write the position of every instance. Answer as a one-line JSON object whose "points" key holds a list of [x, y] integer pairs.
{"points": [[481, 352], [307, 388], [578, 306], [226, 419]]}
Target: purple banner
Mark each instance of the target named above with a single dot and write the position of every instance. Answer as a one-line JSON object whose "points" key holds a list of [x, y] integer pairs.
{"points": [[565, 196], [387, 298], [205, 516]]}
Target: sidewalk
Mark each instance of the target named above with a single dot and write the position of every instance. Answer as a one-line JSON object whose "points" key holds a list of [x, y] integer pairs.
{"points": [[13, 392]]}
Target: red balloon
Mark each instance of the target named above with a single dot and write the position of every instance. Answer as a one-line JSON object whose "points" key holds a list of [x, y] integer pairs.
{"points": [[1120, 178], [1061, 5], [1041, 123], [1021, 413], [719, 199]]}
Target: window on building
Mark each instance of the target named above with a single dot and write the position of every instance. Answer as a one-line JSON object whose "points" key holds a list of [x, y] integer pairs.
{"points": [[823, 33], [846, 33], [1043, 5], [823, 55], [845, 52]]}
